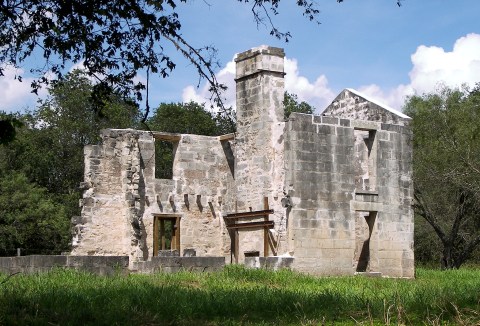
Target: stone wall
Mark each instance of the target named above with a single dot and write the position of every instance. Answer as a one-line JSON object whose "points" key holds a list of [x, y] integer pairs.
{"points": [[121, 195], [103, 265], [176, 264], [337, 225], [354, 105], [108, 265], [111, 220], [259, 170], [320, 177], [200, 190]]}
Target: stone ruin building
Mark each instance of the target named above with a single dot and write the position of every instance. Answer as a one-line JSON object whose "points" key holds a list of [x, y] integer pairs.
{"points": [[331, 193]]}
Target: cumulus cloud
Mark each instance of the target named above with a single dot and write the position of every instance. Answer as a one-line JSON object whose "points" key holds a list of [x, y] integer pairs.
{"points": [[202, 95], [16, 95], [317, 93], [433, 66]]}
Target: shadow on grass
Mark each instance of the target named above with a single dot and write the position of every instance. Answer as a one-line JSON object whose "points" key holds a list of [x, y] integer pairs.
{"points": [[234, 296]]}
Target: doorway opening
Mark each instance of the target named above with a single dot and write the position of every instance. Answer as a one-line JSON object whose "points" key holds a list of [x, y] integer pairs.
{"points": [[166, 233], [364, 223]]}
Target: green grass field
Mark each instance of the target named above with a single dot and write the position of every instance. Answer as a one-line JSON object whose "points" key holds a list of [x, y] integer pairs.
{"points": [[238, 296]]}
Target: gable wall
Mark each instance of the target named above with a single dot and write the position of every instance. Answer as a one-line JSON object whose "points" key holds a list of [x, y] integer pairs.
{"points": [[326, 225]]}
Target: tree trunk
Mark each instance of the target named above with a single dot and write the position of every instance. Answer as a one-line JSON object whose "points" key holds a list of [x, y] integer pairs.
{"points": [[447, 259]]}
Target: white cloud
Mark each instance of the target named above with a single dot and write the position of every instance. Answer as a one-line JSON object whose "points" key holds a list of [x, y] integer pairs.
{"points": [[317, 93], [432, 66], [202, 95], [15, 95]]}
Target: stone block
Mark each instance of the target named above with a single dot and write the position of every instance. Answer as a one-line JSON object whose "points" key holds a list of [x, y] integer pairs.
{"points": [[330, 120], [273, 263]]}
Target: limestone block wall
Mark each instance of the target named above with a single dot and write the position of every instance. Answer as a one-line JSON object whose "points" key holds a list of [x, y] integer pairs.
{"points": [[320, 179], [395, 188], [337, 226], [111, 222], [259, 170], [351, 104]]}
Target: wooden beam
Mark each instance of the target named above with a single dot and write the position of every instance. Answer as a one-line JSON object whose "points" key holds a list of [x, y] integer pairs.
{"points": [[167, 136], [250, 225], [226, 137], [249, 214], [177, 234]]}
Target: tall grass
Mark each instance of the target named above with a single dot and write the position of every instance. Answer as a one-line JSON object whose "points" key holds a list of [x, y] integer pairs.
{"points": [[239, 296]]}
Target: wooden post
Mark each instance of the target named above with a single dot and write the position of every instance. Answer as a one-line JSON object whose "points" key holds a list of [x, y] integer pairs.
{"points": [[236, 244], [155, 235], [265, 229], [177, 234]]}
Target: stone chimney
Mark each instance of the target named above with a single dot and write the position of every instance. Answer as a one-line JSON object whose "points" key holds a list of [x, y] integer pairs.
{"points": [[259, 149]]}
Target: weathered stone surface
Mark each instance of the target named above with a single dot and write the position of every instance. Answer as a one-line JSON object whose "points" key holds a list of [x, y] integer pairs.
{"points": [[273, 263], [339, 185], [175, 264], [103, 265]]}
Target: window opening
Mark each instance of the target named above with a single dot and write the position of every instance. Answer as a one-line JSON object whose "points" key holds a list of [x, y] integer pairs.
{"points": [[164, 155], [365, 160]]}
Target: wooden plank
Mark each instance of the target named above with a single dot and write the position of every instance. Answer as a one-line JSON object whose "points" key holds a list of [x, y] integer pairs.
{"points": [[249, 225], [162, 234], [226, 137], [167, 136], [265, 230], [249, 214]]}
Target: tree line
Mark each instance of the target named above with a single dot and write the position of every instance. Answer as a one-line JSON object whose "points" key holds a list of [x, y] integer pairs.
{"points": [[40, 169]]}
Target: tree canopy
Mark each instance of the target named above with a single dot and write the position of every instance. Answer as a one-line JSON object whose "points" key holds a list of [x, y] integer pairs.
{"points": [[446, 165], [50, 145], [291, 104], [29, 218]]}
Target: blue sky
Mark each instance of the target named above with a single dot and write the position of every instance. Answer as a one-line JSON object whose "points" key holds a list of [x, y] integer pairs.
{"points": [[373, 46]]}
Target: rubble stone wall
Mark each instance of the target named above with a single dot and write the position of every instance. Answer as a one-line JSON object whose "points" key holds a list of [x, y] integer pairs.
{"points": [[121, 195], [111, 219], [203, 185]]}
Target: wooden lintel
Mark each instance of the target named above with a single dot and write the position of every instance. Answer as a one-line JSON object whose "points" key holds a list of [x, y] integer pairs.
{"points": [[226, 137], [168, 136], [249, 214], [249, 225]]}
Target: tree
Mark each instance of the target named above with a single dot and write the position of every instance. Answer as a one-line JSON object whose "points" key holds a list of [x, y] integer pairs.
{"points": [[114, 39], [290, 103], [446, 165], [29, 219], [49, 148]]}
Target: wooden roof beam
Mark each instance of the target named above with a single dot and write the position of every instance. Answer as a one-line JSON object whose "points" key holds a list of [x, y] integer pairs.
{"points": [[167, 136]]}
